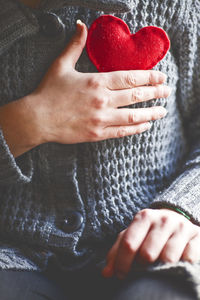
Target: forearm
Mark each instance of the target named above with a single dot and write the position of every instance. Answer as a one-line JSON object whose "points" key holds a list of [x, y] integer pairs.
{"points": [[19, 123]]}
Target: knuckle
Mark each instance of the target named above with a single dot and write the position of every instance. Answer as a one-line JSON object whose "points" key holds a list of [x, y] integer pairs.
{"points": [[164, 221], [94, 134], [130, 79], [94, 82], [145, 214], [128, 246], [152, 77], [121, 132], [182, 226], [99, 102], [97, 120], [137, 95], [132, 117]]}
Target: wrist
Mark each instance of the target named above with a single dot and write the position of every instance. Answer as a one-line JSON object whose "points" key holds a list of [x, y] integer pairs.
{"points": [[18, 121], [176, 209]]}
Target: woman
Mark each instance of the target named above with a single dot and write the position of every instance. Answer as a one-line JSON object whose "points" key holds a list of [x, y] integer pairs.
{"points": [[81, 178]]}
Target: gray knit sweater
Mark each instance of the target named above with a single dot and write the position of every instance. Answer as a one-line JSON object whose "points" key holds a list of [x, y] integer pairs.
{"points": [[102, 184]]}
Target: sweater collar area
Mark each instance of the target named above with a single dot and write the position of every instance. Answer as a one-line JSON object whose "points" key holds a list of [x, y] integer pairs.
{"points": [[108, 6], [16, 21]]}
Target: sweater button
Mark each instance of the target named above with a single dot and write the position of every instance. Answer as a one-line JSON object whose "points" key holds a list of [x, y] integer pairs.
{"points": [[72, 222], [50, 24]]}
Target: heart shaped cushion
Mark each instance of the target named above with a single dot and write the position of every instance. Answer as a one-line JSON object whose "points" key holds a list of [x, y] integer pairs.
{"points": [[111, 46]]}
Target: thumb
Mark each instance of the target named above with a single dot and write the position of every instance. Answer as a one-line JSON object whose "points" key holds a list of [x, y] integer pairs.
{"points": [[75, 47]]}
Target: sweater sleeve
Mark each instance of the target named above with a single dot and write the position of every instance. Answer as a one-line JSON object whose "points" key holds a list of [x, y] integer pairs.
{"points": [[15, 22], [184, 191], [14, 170]]}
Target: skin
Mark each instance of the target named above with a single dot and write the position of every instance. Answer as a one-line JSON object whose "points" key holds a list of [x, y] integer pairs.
{"points": [[73, 107], [154, 234], [54, 112]]}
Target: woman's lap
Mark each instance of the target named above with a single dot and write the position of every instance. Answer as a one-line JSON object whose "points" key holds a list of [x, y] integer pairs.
{"points": [[25, 285], [21, 285]]}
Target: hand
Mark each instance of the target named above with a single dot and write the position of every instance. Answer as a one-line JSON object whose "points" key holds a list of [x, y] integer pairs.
{"points": [[154, 234], [74, 107]]}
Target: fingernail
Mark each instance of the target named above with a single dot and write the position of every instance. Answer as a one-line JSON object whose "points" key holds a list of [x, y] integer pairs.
{"points": [[78, 28], [79, 22]]}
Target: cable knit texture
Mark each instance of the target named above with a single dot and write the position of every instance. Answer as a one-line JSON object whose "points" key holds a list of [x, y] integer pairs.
{"points": [[107, 182]]}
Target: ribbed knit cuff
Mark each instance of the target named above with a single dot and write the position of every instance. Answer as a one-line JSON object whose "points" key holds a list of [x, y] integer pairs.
{"points": [[183, 193], [13, 259], [114, 6], [16, 21], [14, 170]]}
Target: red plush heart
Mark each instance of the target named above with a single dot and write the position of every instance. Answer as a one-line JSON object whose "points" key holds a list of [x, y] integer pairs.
{"points": [[111, 46]]}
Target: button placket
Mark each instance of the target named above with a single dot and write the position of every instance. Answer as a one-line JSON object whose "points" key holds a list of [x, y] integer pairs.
{"points": [[71, 222]]}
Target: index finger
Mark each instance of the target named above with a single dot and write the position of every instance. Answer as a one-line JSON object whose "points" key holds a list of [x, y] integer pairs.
{"points": [[131, 242], [118, 80]]}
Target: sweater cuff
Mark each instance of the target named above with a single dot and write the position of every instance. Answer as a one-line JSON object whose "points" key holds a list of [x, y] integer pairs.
{"points": [[16, 21], [184, 194], [112, 6], [14, 170]]}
